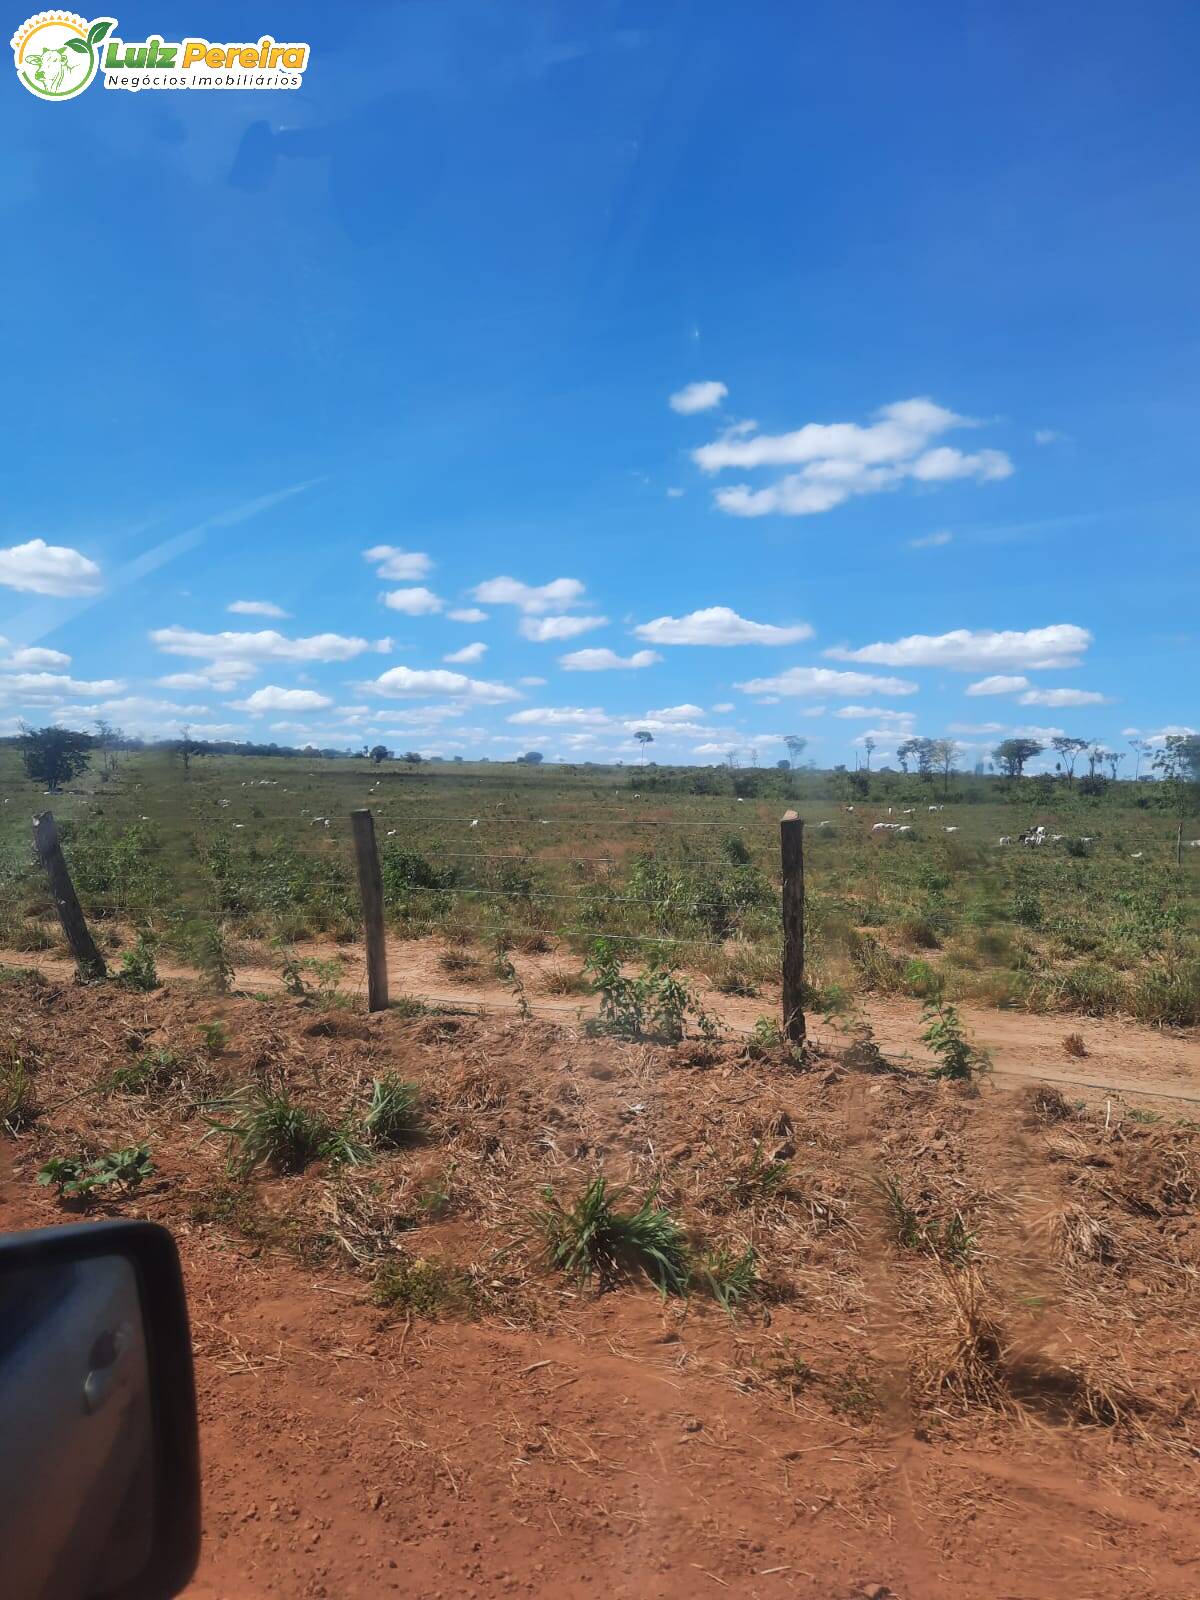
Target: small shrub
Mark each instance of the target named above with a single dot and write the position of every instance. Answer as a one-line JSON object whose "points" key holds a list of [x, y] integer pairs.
{"points": [[731, 1278], [943, 1033], [1073, 1045], [766, 1037], [269, 1127], [922, 980], [591, 1237], [460, 966], [407, 1005], [947, 1238], [757, 1181], [393, 1117], [209, 950], [422, 1288], [1027, 908], [74, 1178], [214, 1035], [17, 1105], [137, 965], [157, 1069], [654, 1005], [917, 931]]}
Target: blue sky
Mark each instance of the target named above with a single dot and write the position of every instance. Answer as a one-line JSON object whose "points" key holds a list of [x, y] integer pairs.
{"points": [[835, 367]]}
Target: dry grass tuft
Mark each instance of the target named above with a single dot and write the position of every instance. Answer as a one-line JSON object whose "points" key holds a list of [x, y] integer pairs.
{"points": [[1047, 1104], [1073, 1045], [966, 1363], [1076, 1235]]}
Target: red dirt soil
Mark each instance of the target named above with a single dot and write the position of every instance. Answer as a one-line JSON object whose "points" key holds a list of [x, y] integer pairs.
{"points": [[835, 1439]]}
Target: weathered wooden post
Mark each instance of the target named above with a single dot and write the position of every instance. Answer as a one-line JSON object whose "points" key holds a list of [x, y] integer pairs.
{"points": [[370, 886], [791, 844], [83, 947]]}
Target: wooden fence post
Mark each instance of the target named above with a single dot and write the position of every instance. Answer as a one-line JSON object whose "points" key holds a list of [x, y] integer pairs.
{"points": [[791, 844], [83, 947], [370, 886]]}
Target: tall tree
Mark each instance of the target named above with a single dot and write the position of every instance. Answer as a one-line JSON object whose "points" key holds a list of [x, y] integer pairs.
{"points": [[1012, 754], [107, 740], [1114, 759], [944, 757], [796, 746], [54, 756], [1179, 763], [869, 747], [643, 737], [1141, 748], [185, 747], [1069, 749], [379, 752]]}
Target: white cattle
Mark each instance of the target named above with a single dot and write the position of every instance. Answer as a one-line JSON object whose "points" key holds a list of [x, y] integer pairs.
{"points": [[884, 827], [951, 829], [1005, 839], [1137, 855]]}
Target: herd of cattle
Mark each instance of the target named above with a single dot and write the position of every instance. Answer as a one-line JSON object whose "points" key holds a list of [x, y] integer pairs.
{"points": [[1032, 836]]}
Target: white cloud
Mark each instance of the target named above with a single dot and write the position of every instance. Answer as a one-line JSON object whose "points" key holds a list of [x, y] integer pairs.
{"points": [[468, 653], [41, 568], [534, 600], [409, 683], [719, 625], [969, 650], [695, 397], [402, 565], [1130, 733], [43, 686], [1063, 697], [1171, 731], [265, 646], [1047, 436], [1031, 731], [998, 683], [562, 717], [723, 707], [606, 660], [841, 459], [256, 608], [975, 727], [222, 676], [467, 614], [674, 494], [683, 713], [931, 541], [33, 658], [542, 630], [531, 683], [418, 602], [273, 698], [945, 463], [867, 713], [823, 680]]}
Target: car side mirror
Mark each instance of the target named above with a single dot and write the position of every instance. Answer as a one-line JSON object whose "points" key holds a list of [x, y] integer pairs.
{"points": [[99, 1465]]}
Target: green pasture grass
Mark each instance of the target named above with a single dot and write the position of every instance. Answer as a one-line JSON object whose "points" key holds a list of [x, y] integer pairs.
{"points": [[563, 854]]}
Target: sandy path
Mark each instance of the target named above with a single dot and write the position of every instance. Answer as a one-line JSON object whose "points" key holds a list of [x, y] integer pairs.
{"points": [[1123, 1057]]}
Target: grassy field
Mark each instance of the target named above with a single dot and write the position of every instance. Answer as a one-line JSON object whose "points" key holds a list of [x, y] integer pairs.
{"points": [[242, 855]]}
